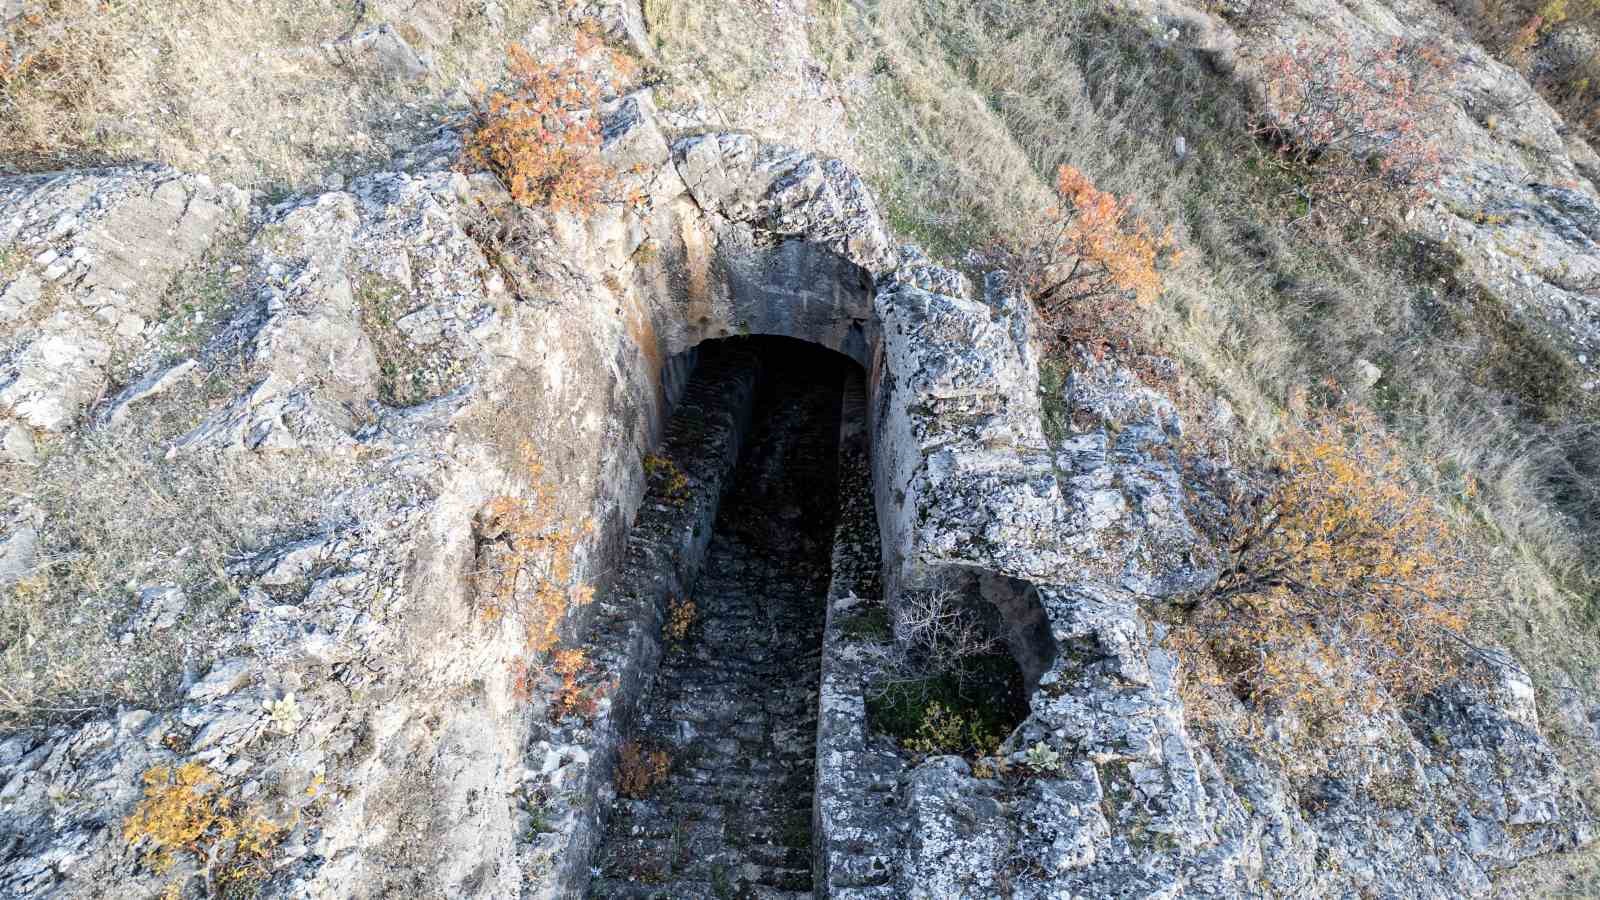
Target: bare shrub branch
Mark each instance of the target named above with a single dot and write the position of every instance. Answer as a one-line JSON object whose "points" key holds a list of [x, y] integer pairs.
{"points": [[1342, 583], [1361, 121]]}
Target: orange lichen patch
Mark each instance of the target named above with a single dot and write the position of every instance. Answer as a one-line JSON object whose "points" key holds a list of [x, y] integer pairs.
{"points": [[532, 571], [642, 330]]}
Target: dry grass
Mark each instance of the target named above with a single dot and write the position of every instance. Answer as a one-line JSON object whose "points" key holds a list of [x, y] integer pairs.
{"points": [[117, 517], [714, 48], [247, 92]]}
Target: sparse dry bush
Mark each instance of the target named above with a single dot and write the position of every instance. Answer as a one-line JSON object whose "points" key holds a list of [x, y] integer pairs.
{"points": [[639, 769], [1359, 121], [185, 811], [946, 684], [529, 561], [681, 614], [935, 632], [578, 694], [1342, 582], [541, 135]]}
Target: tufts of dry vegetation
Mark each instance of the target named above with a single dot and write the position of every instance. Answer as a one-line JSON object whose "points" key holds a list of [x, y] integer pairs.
{"points": [[541, 134], [640, 769], [115, 516], [407, 373], [184, 811], [1550, 42]]}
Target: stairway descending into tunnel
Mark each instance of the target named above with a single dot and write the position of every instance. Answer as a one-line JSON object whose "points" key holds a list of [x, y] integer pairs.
{"points": [[734, 701]]}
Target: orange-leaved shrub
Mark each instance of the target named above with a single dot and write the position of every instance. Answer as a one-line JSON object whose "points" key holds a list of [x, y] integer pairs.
{"points": [[184, 811], [579, 694], [1361, 121], [541, 134], [1341, 581], [1092, 263]]}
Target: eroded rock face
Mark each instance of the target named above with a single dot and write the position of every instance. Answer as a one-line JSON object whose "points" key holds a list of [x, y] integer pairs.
{"points": [[87, 259], [374, 342]]}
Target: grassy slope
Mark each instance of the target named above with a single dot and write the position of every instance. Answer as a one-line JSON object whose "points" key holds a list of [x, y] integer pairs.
{"points": [[967, 107]]}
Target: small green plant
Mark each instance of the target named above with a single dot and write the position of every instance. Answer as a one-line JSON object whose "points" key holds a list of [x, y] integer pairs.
{"points": [[285, 714], [11, 261], [945, 730], [1044, 759], [403, 377]]}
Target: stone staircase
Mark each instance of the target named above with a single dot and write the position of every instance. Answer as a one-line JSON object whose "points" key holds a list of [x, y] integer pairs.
{"points": [[734, 701]]}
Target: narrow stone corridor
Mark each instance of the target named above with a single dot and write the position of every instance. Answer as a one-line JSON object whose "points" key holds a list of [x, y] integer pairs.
{"points": [[734, 702]]}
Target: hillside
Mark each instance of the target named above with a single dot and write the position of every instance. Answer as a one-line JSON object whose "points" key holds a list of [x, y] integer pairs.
{"points": [[837, 448]]}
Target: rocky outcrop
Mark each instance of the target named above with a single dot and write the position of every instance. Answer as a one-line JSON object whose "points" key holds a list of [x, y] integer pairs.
{"points": [[1116, 796], [87, 258], [410, 348], [375, 350]]}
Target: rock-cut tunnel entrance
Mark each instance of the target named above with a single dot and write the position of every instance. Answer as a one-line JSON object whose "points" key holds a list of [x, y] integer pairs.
{"points": [[716, 780]]}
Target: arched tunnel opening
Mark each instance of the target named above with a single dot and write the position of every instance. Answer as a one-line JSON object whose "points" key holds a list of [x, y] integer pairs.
{"points": [[717, 766]]}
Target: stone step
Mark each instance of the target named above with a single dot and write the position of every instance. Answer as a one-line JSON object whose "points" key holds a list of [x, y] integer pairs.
{"points": [[614, 889], [734, 702]]}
